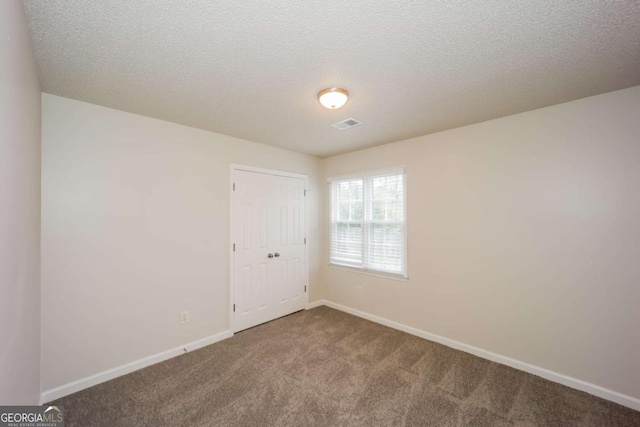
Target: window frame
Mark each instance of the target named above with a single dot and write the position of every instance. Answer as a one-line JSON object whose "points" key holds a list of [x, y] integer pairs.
{"points": [[367, 221]]}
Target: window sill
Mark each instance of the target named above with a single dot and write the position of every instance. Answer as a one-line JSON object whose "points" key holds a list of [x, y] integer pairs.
{"points": [[397, 277]]}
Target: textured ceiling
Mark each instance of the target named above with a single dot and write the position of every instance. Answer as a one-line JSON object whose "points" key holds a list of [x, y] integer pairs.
{"points": [[251, 69]]}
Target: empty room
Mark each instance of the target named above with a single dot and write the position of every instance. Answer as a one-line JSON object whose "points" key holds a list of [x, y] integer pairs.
{"points": [[319, 213]]}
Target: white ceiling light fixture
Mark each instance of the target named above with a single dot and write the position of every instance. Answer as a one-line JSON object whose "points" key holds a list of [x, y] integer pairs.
{"points": [[333, 98]]}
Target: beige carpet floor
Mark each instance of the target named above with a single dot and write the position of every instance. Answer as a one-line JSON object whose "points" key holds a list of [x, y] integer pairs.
{"points": [[322, 367]]}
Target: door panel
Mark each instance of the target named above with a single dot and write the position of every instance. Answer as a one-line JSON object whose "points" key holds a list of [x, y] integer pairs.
{"points": [[269, 214]]}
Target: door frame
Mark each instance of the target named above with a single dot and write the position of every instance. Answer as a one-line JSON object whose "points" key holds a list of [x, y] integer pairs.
{"points": [[233, 169]]}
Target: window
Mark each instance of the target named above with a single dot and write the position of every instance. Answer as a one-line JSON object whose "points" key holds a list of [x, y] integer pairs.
{"points": [[368, 229]]}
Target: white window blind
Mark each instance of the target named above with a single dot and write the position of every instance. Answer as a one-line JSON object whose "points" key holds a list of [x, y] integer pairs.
{"points": [[368, 229]]}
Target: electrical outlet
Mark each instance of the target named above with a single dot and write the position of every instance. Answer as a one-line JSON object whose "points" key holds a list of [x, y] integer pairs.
{"points": [[359, 290], [184, 317]]}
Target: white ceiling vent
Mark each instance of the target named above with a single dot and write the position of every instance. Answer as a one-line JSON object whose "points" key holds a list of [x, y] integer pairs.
{"points": [[347, 124]]}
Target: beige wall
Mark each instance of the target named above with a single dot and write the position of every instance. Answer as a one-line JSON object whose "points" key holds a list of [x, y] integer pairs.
{"points": [[135, 229], [19, 211], [524, 238]]}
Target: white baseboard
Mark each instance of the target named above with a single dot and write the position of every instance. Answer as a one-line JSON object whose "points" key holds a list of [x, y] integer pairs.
{"points": [[81, 384], [596, 390], [316, 304]]}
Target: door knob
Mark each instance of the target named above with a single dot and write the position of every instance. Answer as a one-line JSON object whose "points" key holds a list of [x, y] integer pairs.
{"points": [[276, 254], [270, 255]]}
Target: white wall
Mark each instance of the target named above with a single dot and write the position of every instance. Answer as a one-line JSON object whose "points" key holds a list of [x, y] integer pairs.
{"points": [[19, 211], [135, 229], [524, 238]]}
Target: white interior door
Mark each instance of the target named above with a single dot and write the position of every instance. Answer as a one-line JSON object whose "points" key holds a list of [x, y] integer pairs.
{"points": [[269, 260]]}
